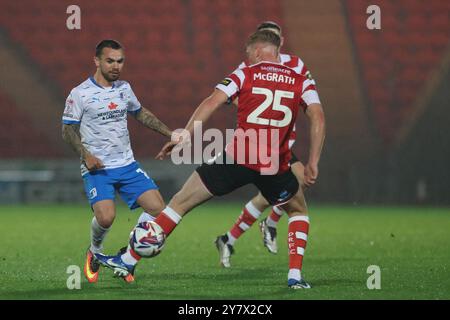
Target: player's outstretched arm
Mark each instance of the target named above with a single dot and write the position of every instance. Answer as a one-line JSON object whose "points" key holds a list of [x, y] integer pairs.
{"points": [[149, 120], [71, 137], [316, 118], [200, 115], [206, 109]]}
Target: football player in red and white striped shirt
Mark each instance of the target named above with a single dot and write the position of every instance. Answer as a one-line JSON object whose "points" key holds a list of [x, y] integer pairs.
{"points": [[270, 96], [269, 224], [250, 213]]}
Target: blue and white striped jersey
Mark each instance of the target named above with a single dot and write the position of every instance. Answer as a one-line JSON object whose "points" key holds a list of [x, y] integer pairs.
{"points": [[102, 116]]}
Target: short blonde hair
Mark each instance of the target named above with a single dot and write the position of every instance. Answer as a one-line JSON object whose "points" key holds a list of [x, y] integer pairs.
{"points": [[264, 36]]}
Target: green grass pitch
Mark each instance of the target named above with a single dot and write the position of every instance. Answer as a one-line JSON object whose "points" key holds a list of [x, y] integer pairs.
{"points": [[409, 244]]}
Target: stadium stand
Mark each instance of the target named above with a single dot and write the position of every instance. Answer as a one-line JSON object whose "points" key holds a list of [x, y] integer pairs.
{"points": [[397, 60], [171, 57], [18, 137], [375, 85]]}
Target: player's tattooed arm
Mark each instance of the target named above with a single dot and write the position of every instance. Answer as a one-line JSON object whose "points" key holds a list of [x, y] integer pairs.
{"points": [[149, 120], [200, 115], [71, 135]]}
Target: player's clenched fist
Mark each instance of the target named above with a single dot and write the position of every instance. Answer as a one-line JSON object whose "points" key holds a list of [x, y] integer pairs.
{"points": [[180, 138], [311, 174], [166, 150], [93, 163]]}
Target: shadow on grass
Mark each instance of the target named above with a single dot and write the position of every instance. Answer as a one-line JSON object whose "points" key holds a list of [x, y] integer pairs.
{"points": [[209, 283], [87, 291], [336, 282]]}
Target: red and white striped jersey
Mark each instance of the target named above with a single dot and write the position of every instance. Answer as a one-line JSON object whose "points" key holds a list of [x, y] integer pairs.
{"points": [[296, 64], [270, 95], [290, 61]]}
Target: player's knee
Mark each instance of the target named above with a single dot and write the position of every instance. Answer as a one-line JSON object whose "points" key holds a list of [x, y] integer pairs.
{"points": [[156, 206], [106, 220], [104, 215], [159, 206], [152, 202]]}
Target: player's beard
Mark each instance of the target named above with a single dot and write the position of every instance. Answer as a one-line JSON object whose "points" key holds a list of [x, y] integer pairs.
{"points": [[111, 76]]}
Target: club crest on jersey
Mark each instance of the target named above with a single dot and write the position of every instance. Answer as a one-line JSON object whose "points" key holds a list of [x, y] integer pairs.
{"points": [[112, 106], [225, 82], [69, 105]]}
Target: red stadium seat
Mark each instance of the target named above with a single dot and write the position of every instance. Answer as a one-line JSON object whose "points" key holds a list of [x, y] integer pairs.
{"points": [[415, 36], [176, 50], [17, 130]]}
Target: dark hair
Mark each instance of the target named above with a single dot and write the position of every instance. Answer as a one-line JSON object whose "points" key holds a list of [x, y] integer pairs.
{"points": [[108, 43], [268, 25], [264, 36]]}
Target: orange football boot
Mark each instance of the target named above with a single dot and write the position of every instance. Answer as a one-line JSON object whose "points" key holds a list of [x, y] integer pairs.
{"points": [[91, 267]]}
